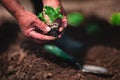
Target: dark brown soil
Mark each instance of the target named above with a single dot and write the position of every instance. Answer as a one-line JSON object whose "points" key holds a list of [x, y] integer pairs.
{"points": [[22, 59]]}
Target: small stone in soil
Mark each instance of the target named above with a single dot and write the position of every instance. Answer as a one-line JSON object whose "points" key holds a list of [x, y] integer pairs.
{"points": [[48, 75]]}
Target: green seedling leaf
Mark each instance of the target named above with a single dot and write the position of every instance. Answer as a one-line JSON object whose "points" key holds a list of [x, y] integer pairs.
{"points": [[52, 13], [40, 15]]}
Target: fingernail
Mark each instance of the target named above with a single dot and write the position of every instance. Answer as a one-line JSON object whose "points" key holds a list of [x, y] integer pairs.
{"points": [[59, 36], [48, 28], [61, 29]]}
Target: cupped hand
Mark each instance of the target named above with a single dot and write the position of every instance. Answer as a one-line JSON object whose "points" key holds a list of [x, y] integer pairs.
{"points": [[63, 22], [32, 27]]}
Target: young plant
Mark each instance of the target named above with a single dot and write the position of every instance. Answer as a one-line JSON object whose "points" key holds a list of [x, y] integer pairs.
{"points": [[75, 19], [115, 19], [51, 17]]}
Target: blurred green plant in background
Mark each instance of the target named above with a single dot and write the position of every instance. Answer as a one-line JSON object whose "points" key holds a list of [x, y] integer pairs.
{"points": [[92, 28], [75, 19], [115, 19]]}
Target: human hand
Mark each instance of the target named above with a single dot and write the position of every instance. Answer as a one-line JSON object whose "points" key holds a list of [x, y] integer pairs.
{"points": [[55, 18], [32, 27], [63, 22]]}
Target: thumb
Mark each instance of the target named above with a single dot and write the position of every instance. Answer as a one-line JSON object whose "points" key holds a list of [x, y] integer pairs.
{"points": [[42, 26]]}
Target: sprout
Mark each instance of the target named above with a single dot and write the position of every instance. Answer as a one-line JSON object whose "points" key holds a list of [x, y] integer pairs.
{"points": [[115, 19], [75, 19], [53, 15]]}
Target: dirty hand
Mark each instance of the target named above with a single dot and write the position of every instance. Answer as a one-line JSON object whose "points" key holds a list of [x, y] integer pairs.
{"points": [[55, 4], [30, 24], [55, 19], [63, 22]]}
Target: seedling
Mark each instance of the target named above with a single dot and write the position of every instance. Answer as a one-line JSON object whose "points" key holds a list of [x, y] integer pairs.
{"points": [[92, 28], [115, 19], [75, 19], [51, 16]]}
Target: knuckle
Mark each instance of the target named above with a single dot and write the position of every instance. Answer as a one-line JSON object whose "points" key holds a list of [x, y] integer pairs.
{"points": [[27, 34]]}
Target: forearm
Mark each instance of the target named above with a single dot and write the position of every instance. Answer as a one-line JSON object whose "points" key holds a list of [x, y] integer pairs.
{"points": [[53, 3], [13, 6]]}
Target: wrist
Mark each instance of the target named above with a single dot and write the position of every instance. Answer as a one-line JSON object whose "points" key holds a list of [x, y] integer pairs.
{"points": [[54, 3], [18, 13], [13, 7]]}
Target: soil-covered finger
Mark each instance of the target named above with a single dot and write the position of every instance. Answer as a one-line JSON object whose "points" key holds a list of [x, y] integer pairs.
{"points": [[42, 26], [39, 36]]}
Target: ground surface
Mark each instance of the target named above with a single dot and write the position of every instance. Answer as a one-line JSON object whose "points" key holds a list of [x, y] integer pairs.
{"points": [[21, 59]]}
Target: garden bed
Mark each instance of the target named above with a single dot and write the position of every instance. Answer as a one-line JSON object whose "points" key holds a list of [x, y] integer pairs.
{"points": [[22, 59]]}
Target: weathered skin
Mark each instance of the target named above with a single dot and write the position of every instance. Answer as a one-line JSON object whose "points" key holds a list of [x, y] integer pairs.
{"points": [[29, 22]]}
